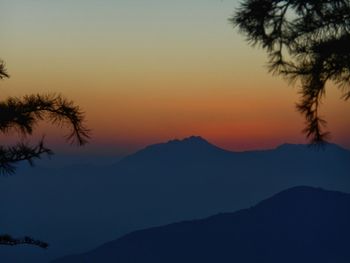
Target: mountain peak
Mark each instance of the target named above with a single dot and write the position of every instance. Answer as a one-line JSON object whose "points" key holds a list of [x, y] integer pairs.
{"points": [[192, 143], [193, 148], [301, 197], [297, 192], [279, 229], [189, 140]]}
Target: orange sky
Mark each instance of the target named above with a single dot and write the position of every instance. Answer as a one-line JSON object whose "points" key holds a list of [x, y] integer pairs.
{"points": [[150, 72]]}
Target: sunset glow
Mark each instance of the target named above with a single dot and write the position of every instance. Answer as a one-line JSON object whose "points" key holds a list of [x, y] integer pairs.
{"points": [[149, 71]]}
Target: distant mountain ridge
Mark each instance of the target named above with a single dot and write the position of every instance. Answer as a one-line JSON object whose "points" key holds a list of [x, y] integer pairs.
{"points": [[163, 183], [321, 147], [195, 149], [301, 224], [199, 141]]}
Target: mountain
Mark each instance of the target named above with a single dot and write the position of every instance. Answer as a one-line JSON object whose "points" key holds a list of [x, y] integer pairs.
{"points": [[77, 208], [188, 149], [301, 224]]}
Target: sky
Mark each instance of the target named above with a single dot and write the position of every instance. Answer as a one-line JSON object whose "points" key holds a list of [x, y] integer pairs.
{"points": [[149, 71]]}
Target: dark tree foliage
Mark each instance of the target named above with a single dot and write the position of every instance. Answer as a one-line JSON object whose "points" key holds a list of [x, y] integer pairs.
{"points": [[3, 73], [306, 40], [10, 241], [21, 115]]}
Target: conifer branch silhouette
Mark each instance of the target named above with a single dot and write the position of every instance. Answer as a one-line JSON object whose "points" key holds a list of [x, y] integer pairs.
{"points": [[7, 240], [21, 115], [305, 40]]}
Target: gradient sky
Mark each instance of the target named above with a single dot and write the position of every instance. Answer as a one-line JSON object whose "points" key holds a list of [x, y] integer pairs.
{"points": [[150, 71]]}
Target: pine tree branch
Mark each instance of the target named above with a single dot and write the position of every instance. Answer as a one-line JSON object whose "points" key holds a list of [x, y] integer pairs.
{"points": [[23, 114], [7, 240], [3, 71], [10, 156], [305, 40]]}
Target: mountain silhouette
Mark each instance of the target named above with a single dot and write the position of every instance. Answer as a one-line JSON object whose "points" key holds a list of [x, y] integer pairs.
{"points": [[190, 149], [196, 148], [301, 224], [79, 207]]}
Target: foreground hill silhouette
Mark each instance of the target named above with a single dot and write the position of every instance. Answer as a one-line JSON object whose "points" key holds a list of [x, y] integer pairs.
{"points": [[78, 207], [302, 224]]}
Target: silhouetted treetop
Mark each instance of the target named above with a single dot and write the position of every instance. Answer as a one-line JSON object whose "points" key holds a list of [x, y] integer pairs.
{"points": [[306, 40]]}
